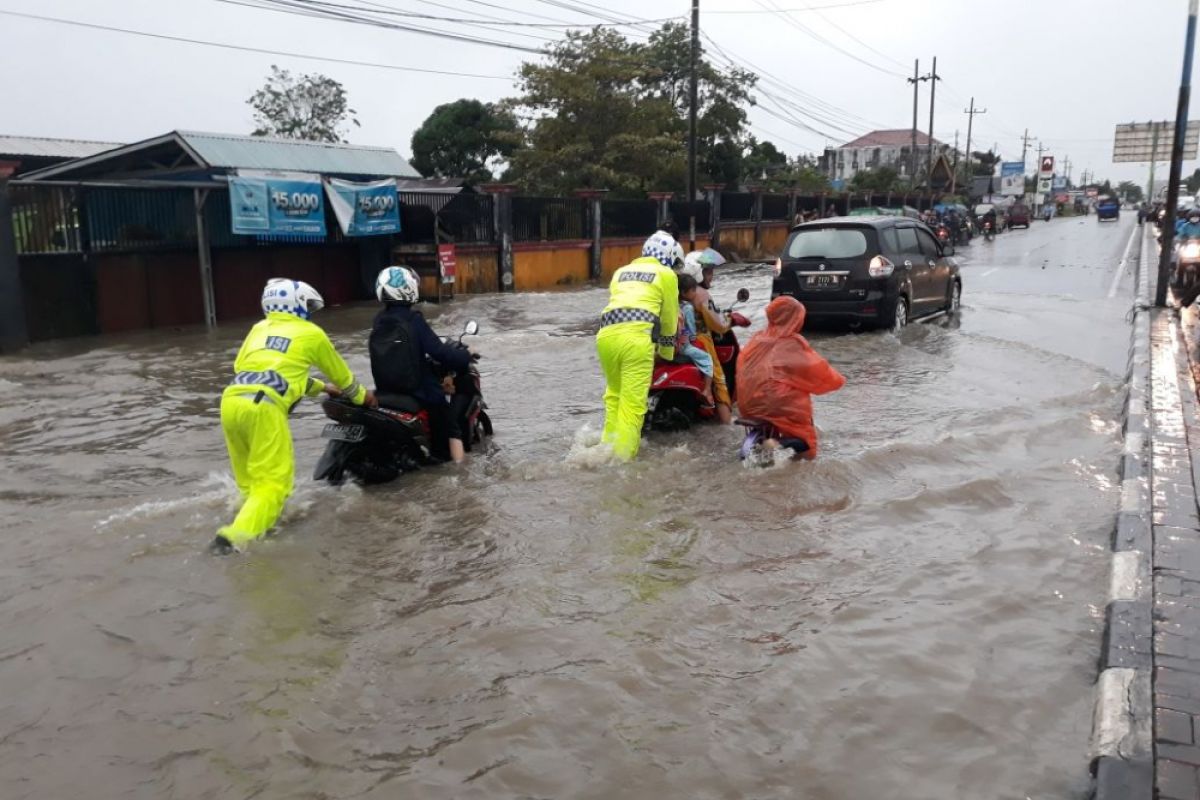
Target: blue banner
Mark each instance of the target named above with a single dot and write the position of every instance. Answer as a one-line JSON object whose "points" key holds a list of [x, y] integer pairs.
{"points": [[277, 206], [1012, 168], [365, 209]]}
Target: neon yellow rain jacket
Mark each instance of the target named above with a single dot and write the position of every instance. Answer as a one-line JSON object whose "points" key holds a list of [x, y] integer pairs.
{"points": [[645, 285]]}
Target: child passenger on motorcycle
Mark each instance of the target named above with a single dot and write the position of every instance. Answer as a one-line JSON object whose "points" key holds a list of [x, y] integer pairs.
{"points": [[685, 347]]}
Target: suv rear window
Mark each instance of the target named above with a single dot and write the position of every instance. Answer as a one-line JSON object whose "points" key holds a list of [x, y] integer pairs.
{"points": [[827, 243]]}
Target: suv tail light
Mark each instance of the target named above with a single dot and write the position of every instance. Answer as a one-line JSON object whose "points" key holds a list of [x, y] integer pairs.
{"points": [[778, 266], [880, 267]]}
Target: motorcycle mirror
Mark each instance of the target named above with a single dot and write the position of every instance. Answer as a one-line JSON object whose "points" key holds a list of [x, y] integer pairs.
{"points": [[471, 328], [743, 295]]}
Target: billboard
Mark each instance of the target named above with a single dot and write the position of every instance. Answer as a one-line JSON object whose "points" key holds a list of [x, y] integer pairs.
{"points": [[364, 209], [1012, 178], [277, 206], [1047, 167], [1151, 141], [1059, 182]]}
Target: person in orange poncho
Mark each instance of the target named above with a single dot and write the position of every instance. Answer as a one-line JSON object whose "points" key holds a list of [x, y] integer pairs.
{"points": [[779, 372]]}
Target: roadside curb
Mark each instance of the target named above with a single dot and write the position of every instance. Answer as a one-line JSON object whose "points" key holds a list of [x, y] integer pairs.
{"points": [[1122, 741]]}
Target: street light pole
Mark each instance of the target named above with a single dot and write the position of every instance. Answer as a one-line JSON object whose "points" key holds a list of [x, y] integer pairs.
{"points": [[693, 102], [1181, 126], [933, 79]]}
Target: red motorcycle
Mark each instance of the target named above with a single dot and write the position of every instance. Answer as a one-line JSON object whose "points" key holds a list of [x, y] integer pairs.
{"points": [[376, 445], [677, 389]]}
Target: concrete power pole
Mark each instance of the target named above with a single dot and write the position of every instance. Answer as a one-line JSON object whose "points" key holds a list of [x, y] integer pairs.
{"points": [[971, 112], [1181, 124], [694, 100], [933, 79], [915, 80]]}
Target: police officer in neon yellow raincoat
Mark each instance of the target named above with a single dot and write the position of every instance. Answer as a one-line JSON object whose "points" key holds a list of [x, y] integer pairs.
{"points": [[270, 378], [641, 317]]}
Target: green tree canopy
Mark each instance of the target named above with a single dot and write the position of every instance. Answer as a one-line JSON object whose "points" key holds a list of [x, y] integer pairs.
{"points": [[984, 162], [608, 113], [883, 179], [1130, 191], [459, 139], [312, 107]]}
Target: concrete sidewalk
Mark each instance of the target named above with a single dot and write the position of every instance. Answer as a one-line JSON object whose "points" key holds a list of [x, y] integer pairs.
{"points": [[1146, 728]]}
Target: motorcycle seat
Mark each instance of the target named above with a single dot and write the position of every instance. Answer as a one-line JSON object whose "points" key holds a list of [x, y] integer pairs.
{"points": [[398, 402]]}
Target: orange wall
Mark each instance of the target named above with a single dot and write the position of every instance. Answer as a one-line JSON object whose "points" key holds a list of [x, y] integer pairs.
{"points": [[616, 253], [774, 236], [478, 271], [542, 267], [738, 238]]}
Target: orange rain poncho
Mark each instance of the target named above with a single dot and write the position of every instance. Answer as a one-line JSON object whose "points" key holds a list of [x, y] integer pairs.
{"points": [[778, 372]]}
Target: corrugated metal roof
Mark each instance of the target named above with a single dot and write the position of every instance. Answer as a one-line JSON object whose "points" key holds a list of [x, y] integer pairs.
{"points": [[52, 148], [227, 151]]}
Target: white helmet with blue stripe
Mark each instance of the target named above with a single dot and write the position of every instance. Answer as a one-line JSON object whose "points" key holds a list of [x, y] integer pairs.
{"points": [[291, 297], [397, 285], [662, 246]]}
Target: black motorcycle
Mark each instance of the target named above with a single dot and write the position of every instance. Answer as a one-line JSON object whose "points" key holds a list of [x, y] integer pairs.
{"points": [[376, 445]]}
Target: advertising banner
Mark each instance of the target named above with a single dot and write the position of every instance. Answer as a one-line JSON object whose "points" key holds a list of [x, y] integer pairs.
{"points": [[1059, 183], [1047, 166], [364, 209], [277, 206], [1043, 185], [1012, 178], [447, 262]]}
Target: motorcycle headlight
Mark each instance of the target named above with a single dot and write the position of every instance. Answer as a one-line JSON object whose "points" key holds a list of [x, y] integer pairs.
{"points": [[1191, 250]]}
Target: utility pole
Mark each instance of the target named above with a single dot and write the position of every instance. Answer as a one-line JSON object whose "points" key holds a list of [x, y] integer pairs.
{"points": [[933, 79], [971, 112], [694, 101], [915, 80], [1181, 125], [954, 172], [1037, 173], [1024, 145], [1067, 168]]}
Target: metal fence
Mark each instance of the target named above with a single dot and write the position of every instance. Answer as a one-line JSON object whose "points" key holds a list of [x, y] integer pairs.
{"points": [[139, 219], [681, 211], [428, 217], [737, 206], [550, 218], [629, 218], [46, 220], [775, 206]]}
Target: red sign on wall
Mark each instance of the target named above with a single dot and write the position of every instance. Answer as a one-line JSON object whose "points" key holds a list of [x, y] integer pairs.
{"points": [[447, 262]]}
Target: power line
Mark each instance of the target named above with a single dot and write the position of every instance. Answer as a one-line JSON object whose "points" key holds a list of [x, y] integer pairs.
{"points": [[807, 31], [792, 10], [261, 50], [488, 22]]}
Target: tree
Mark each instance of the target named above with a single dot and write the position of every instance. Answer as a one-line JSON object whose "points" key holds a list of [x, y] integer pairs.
{"points": [[312, 107], [984, 162], [1130, 191], [608, 113], [883, 179], [762, 161], [459, 139]]}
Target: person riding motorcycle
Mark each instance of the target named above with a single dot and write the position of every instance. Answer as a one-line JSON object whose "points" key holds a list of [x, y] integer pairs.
{"points": [[1188, 227], [271, 376], [641, 318], [778, 372], [401, 346]]}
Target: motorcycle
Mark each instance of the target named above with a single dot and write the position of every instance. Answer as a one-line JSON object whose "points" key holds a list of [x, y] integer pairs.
{"points": [[988, 230], [1187, 264], [943, 233], [676, 398], [753, 448], [376, 445]]}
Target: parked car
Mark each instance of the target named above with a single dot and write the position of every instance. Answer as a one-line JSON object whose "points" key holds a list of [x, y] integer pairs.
{"points": [[1108, 208], [868, 271], [1018, 214]]}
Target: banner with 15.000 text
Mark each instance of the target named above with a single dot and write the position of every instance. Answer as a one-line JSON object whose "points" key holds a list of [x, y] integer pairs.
{"points": [[364, 209], [273, 206]]}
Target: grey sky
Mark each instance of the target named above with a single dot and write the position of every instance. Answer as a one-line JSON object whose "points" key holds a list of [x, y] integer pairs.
{"points": [[1066, 69]]}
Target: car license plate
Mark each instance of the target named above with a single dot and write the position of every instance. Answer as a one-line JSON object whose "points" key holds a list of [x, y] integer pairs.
{"points": [[344, 433], [822, 282]]}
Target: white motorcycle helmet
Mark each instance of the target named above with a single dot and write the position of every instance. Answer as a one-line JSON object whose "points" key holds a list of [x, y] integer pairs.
{"points": [[397, 285], [663, 247], [291, 297], [692, 266]]}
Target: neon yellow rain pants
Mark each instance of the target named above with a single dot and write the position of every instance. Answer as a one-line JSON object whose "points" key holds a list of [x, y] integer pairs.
{"points": [[260, 450], [627, 358]]}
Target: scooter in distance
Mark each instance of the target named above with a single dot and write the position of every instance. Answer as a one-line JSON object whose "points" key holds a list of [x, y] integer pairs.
{"points": [[754, 448], [376, 445], [677, 389]]}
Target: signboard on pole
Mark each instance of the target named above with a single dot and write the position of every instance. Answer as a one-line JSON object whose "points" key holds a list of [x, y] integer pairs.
{"points": [[277, 206], [1012, 178], [1059, 182], [1152, 141], [364, 209], [1043, 185], [447, 262], [1047, 167]]}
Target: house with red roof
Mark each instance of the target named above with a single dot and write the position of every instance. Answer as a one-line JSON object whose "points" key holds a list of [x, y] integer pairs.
{"points": [[886, 148]]}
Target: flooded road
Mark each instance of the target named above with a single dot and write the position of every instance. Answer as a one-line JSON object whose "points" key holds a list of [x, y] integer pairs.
{"points": [[915, 615]]}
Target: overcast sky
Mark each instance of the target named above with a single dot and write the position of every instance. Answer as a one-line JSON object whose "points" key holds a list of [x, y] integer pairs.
{"points": [[1068, 70]]}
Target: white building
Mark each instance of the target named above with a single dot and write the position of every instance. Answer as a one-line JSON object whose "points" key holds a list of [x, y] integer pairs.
{"points": [[877, 149]]}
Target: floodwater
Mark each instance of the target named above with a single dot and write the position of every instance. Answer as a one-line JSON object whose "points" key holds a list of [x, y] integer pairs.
{"points": [[915, 615]]}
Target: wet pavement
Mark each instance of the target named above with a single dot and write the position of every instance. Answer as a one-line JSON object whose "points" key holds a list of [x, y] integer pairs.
{"points": [[917, 614]]}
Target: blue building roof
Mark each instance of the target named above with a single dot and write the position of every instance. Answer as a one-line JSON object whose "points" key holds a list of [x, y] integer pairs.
{"points": [[186, 153]]}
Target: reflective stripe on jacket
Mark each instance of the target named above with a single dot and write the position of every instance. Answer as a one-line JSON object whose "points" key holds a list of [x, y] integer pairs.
{"points": [[277, 354], [646, 285]]}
